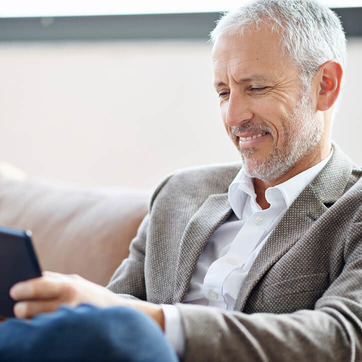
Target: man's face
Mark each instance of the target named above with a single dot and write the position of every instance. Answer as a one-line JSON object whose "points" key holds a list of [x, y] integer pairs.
{"points": [[268, 115]]}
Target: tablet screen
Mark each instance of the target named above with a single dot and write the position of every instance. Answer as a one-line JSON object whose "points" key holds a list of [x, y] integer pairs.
{"points": [[18, 262]]}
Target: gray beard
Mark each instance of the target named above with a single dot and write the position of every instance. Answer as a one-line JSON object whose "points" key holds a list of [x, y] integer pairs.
{"points": [[303, 135]]}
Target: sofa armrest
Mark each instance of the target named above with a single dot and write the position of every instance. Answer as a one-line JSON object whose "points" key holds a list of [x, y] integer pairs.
{"points": [[86, 231]]}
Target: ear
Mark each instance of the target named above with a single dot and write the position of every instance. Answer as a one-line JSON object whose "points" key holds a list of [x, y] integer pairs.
{"points": [[330, 77]]}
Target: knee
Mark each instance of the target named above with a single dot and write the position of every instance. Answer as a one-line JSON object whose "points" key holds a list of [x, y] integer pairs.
{"points": [[126, 335], [104, 323], [132, 336], [88, 326], [88, 333]]}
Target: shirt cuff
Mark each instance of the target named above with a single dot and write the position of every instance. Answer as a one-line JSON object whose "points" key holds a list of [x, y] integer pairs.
{"points": [[174, 330]]}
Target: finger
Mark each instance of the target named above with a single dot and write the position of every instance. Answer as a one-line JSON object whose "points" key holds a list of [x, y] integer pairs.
{"points": [[38, 288], [60, 276], [30, 309], [52, 274]]}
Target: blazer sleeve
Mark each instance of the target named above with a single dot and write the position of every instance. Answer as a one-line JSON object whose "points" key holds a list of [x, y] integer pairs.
{"points": [[129, 278], [332, 331]]}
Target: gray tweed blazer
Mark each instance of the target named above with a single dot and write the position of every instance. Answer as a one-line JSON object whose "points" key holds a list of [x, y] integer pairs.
{"points": [[302, 299]]}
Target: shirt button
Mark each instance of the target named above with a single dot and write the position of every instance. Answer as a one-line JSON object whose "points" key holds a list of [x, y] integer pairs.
{"points": [[232, 261], [213, 295], [258, 220]]}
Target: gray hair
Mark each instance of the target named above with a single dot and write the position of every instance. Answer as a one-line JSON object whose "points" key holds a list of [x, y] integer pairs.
{"points": [[311, 33]]}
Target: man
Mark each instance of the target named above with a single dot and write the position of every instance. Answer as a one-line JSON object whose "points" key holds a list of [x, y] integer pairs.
{"points": [[254, 263]]}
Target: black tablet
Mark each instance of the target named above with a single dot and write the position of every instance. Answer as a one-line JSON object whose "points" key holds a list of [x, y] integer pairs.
{"points": [[18, 262]]}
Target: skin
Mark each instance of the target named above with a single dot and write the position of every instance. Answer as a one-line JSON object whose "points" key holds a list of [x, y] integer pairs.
{"points": [[256, 84], [49, 292]]}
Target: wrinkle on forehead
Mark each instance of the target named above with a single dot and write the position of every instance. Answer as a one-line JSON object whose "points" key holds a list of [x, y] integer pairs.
{"points": [[248, 71], [249, 78], [252, 56], [235, 61], [259, 43]]}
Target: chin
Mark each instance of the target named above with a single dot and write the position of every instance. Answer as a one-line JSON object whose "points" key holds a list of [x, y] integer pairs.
{"points": [[267, 169]]}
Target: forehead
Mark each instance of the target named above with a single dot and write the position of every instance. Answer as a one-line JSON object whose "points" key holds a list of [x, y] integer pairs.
{"points": [[256, 51]]}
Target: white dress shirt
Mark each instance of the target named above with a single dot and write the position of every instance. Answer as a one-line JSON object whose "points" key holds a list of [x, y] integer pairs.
{"points": [[232, 249]]}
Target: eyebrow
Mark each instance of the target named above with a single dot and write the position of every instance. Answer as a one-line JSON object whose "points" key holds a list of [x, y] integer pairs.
{"points": [[245, 80]]}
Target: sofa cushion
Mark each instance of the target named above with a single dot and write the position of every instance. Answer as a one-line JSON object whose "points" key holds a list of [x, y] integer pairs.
{"points": [[86, 231]]}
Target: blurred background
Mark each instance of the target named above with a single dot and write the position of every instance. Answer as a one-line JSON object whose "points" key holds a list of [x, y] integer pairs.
{"points": [[97, 93]]}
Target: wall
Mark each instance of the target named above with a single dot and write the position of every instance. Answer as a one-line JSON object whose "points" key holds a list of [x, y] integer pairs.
{"points": [[126, 114]]}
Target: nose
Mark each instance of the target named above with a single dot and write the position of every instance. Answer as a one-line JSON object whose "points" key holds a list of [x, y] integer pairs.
{"points": [[237, 110]]}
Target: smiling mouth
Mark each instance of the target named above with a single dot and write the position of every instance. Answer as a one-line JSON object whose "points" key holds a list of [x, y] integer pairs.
{"points": [[249, 138]]}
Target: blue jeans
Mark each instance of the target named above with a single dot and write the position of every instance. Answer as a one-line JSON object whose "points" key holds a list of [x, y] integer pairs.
{"points": [[85, 333]]}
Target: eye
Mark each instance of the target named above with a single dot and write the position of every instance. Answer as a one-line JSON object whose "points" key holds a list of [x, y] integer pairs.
{"points": [[258, 89], [223, 94]]}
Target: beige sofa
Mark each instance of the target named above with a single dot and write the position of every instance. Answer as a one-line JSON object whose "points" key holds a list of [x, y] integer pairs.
{"points": [[79, 230]]}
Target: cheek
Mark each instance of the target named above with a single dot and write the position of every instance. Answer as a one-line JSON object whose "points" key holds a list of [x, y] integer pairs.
{"points": [[278, 116], [227, 127], [286, 127], [223, 114]]}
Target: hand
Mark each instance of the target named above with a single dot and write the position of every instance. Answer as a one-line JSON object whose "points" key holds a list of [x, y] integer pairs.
{"points": [[48, 292]]}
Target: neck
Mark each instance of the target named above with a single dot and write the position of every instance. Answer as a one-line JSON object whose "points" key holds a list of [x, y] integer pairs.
{"points": [[260, 199]]}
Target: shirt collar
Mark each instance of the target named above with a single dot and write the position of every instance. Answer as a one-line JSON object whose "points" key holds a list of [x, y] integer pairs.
{"points": [[242, 187], [240, 190]]}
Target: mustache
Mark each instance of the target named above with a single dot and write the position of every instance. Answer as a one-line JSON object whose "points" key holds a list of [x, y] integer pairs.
{"points": [[250, 127]]}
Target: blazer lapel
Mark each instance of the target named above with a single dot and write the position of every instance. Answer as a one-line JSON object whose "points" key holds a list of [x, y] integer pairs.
{"points": [[296, 221], [314, 200], [212, 213]]}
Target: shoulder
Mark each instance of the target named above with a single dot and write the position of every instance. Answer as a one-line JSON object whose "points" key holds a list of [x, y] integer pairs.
{"points": [[342, 167], [344, 215], [336, 178], [198, 181], [211, 173], [351, 200]]}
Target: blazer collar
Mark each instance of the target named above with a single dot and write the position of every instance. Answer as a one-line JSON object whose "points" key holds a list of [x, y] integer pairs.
{"points": [[331, 182]]}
